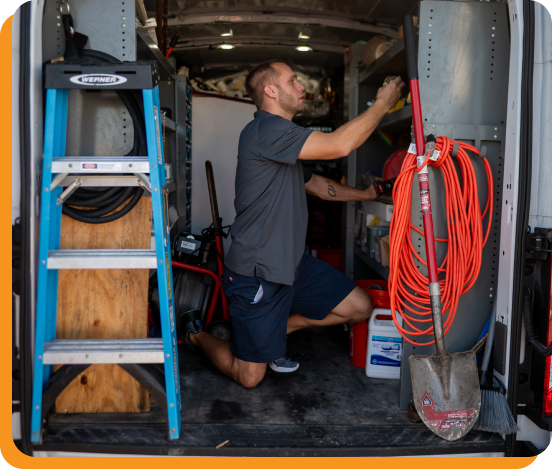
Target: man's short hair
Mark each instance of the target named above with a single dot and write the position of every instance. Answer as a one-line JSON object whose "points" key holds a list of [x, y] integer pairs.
{"points": [[261, 75]]}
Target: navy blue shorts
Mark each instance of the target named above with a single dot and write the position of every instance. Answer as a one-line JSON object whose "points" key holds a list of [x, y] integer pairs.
{"points": [[260, 309]]}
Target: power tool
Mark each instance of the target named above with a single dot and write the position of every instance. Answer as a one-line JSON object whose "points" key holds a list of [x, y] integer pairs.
{"points": [[384, 187]]}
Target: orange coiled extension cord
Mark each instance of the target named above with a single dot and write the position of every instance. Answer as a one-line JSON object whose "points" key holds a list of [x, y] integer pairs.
{"points": [[408, 288]]}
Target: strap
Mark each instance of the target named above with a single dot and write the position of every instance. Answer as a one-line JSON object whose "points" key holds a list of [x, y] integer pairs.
{"points": [[74, 41]]}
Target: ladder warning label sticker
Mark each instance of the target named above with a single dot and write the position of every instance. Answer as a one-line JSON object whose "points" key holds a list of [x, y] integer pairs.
{"points": [[176, 380], [102, 166], [157, 138], [171, 314], [168, 275]]}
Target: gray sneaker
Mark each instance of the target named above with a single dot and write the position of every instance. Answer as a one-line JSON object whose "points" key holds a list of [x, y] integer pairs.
{"points": [[284, 365]]}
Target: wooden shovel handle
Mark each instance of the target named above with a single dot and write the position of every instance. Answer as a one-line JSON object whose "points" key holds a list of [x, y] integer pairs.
{"points": [[212, 194]]}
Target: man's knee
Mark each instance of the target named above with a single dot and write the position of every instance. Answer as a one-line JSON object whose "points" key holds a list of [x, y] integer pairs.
{"points": [[363, 306], [252, 375], [250, 381]]}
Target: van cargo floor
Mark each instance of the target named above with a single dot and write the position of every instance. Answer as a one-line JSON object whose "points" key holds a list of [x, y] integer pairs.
{"points": [[328, 407]]}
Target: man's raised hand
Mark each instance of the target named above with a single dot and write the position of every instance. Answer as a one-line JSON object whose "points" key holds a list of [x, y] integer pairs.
{"points": [[390, 93]]}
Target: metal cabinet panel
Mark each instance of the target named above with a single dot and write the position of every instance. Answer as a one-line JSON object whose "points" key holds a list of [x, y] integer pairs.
{"points": [[109, 25]]}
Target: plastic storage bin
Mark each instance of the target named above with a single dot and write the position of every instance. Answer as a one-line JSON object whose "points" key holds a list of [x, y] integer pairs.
{"points": [[384, 346]]}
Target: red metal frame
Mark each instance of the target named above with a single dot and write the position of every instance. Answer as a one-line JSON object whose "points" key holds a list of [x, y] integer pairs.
{"points": [[218, 287]]}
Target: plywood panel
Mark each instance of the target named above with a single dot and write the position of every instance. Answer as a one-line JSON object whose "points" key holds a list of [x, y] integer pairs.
{"points": [[108, 304]]}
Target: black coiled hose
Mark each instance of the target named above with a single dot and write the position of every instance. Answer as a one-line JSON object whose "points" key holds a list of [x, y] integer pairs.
{"points": [[108, 200], [530, 329]]}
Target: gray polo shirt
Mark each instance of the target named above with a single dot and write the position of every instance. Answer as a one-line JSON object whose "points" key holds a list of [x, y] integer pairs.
{"points": [[269, 231]]}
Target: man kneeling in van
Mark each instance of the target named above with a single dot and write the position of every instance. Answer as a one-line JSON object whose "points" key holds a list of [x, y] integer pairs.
{"points": [[267, 271]]}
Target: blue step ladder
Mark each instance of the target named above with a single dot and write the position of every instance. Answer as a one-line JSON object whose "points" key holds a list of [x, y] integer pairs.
{"points": [[153, 362]]}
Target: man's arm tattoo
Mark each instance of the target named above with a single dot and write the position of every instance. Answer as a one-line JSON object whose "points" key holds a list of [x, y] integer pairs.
{"points": [[331, 190]]}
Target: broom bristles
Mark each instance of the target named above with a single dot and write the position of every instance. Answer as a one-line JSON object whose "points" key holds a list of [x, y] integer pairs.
{"points": [[495, 416]]}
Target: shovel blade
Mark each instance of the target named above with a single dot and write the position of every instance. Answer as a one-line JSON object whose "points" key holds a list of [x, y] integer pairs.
{"points": [[446, 392]]}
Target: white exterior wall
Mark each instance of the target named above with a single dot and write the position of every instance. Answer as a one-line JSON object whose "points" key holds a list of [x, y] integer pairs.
{"points": [[540, 214]]}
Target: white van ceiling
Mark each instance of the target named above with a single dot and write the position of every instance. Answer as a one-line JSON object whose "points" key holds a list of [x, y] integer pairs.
{"points": [[267, 29]]}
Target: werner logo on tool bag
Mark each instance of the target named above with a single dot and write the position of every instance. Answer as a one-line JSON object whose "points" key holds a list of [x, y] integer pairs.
{"points": [[98, 79]]}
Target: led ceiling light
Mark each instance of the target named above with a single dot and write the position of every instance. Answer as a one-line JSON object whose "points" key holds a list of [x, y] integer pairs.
{"points": [[226, 46], [303, 36], [230, 34], [303, 48]]}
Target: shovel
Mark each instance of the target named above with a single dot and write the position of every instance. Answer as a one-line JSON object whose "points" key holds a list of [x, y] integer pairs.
{"points": [[445, 386]]}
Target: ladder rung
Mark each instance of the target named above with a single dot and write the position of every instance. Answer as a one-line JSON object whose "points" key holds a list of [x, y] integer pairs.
{"points": [[85, 351], [102, 180], [102, 259], [100, 164]]}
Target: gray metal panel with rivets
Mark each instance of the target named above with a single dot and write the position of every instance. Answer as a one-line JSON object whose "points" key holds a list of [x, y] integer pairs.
{"points": [[464, 98]]}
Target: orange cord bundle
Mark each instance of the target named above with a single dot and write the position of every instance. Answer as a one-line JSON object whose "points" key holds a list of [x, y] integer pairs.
{"points": [[408, 288]]}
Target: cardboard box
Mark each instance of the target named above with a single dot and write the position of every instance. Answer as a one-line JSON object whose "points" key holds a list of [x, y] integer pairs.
{"points": [[381, 250]]}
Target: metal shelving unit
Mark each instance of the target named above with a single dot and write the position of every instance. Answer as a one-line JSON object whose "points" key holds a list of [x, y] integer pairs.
{"points": [[146, 49], [372, 263], [170, 125], [393, 58], [175, 94], [371, 156], [401, 118]]}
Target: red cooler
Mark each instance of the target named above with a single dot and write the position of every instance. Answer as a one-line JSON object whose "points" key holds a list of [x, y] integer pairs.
{"points": [[358, 338]]}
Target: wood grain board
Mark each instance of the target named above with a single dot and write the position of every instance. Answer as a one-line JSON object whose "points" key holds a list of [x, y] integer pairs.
{"points": [[106, 304]]}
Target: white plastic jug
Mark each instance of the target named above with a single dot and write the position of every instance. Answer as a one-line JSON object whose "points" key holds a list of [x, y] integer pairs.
{"points": [[384, 347]]}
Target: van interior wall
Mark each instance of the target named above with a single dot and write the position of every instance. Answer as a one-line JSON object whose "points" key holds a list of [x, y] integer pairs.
{"points": [[215, 136]]}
